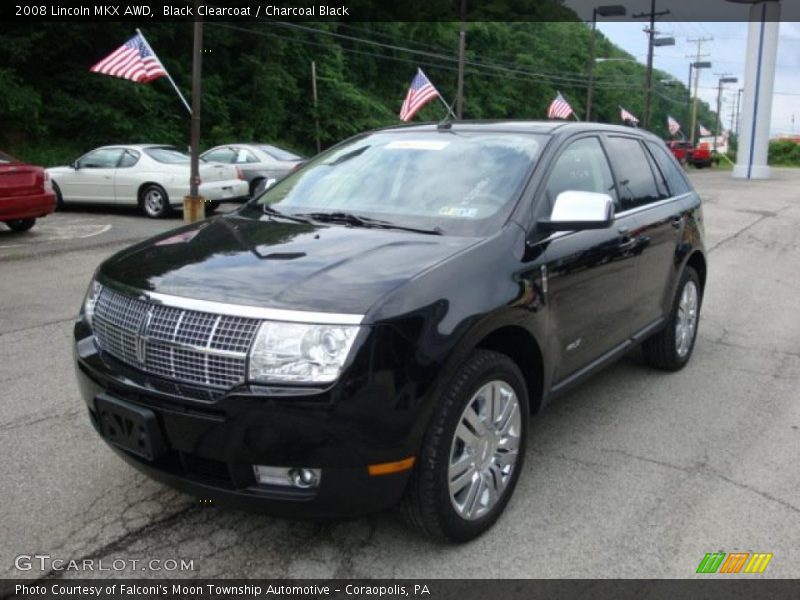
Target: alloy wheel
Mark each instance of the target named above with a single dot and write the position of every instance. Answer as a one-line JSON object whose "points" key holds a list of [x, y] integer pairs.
{"points": [[686, 321], [484, 450]]}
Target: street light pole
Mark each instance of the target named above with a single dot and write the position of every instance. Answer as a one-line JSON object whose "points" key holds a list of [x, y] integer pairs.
{"points": [[591, 66], [614, 10], [722, 81]]}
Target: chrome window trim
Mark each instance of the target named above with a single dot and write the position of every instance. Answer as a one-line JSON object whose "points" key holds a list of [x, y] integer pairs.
{"points": [[237, 310]]}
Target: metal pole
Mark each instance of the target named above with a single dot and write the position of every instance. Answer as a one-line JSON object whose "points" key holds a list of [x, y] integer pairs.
{"points": [[649, 77], [694, 105], [738, 113], [193, 209], [689, 95], [591, 66], [719, 110], [462, 48], [733, 116], [316, 102]]}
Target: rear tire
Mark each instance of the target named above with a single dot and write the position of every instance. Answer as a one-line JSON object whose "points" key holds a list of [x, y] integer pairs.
{"points": [[671, 348], [473, 451], [154, 201], [21, 225], [256, 187]]}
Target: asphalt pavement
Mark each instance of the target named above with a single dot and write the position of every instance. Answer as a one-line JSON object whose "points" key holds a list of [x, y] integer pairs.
{"points": [[637, 473]]}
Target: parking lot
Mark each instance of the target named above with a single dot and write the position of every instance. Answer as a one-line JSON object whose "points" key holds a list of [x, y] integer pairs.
{"points": [[637, 473]]}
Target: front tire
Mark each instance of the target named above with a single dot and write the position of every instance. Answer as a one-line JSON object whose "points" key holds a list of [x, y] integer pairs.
{"points": [[671, 348], [59, 197], [473, 450], [20, 225], [155, 202]]}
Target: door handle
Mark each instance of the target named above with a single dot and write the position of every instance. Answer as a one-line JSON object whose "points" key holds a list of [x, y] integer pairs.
{"points": [[624, 230]]}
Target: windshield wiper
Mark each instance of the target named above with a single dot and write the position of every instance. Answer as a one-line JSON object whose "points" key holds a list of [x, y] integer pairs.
{"points": [[274, 212], [355, 220]]}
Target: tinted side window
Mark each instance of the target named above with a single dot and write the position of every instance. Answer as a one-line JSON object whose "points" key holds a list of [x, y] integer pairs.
{"points": [[129, 159], [670, 168], [223, 155], [637, 186], [104, 158], [582, 167]]}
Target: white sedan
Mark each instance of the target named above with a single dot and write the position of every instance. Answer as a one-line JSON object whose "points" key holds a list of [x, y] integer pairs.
{"points": [[151, 176]]}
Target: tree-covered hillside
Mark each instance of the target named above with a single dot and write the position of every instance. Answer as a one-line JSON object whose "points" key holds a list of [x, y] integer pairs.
{"points": [[257, 81]]}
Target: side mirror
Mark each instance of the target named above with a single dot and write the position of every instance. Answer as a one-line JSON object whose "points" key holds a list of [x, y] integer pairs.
{"points": [[76, 165], [574, 211]]}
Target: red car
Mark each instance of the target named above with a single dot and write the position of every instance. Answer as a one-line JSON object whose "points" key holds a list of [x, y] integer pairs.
{"points": [[25, 193]]}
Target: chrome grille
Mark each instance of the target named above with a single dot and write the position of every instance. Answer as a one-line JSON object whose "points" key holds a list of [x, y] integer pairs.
{"points": [[183, 345]]}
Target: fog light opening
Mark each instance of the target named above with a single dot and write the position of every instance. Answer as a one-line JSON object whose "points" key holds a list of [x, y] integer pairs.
{"points": [[303, 478]]}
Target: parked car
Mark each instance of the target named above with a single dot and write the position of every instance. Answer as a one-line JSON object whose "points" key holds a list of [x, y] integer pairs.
{"points": [[377, 327], [262, 164], [701, 156], [152, 176], [25, 193], [681, 150]]}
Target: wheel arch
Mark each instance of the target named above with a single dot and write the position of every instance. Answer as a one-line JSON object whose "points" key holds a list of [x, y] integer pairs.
{"points": [[521, 346], [143, 186], [698, 262]]}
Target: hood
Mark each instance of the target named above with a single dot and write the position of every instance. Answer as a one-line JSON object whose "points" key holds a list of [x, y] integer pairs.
{"points": [[57, 170], [276, 263]]}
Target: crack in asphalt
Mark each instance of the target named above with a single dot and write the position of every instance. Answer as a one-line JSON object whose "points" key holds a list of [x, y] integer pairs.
{"points": [[126, 540], [764, 215], [23, 422], [37, 326], [702, 468]]}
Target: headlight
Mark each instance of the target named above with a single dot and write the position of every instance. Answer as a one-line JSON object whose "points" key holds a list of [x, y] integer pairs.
{"points": [[92, 294], [299, 352]]}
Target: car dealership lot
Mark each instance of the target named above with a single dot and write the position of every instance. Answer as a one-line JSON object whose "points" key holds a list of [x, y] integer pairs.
{"points": [[637, 473]]}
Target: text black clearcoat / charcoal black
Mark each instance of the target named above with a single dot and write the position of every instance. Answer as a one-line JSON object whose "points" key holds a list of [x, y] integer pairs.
{"points": [[560, 304]]}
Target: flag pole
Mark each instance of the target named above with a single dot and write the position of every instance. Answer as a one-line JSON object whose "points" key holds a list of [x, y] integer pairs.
{"points": [[172, 81], [449, 107]]}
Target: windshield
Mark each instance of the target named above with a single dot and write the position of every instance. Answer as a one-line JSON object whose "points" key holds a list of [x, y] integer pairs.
{"points": [[170, 156], [278, 153], [6, 159], [458, 182]]}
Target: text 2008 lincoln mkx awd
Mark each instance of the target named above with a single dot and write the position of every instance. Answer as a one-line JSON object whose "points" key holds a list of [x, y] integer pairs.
{"points": [[376, 328]]}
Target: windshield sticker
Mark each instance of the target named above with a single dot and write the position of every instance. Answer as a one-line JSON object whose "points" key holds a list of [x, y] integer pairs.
{"points": [[459, 211], [417, 145]]}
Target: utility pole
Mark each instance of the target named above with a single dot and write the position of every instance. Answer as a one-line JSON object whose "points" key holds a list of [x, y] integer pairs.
{"points": [[193, 204], [316, 102], [699, 42], [651, 34], [462, 48]]}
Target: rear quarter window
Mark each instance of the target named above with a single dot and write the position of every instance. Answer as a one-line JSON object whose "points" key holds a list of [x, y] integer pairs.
{"points": [[670, 168]]}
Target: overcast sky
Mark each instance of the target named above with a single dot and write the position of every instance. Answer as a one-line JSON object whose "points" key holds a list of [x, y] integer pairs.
{"points": [[727, 53]]}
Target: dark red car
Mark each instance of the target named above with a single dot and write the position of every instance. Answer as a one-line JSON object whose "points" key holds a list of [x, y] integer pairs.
{"points": [[25, 193]]}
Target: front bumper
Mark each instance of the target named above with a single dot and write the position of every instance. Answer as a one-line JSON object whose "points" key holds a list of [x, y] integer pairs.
{"points": [[211, 443]]}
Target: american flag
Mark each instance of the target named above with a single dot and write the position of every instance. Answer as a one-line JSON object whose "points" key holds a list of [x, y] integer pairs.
{"points": [[704, 131], [134, 60], [673, 125], [559, 108], [627, 117], [419, 94]]}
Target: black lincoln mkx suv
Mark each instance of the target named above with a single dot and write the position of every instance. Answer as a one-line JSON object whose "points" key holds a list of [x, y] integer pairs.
{"points": [[377, 327]]}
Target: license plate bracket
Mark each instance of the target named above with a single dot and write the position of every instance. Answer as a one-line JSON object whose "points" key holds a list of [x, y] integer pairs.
{"points": [[130, 427]]}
